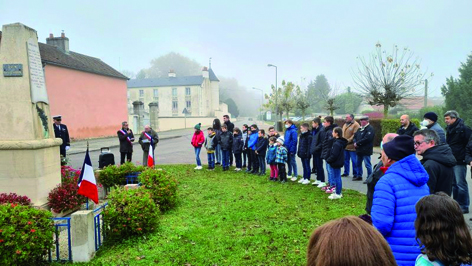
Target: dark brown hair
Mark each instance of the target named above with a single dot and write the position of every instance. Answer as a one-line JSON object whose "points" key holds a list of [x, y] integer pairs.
{"points": [[262, 131], [441, 230], [329, 119], [224, 126], [305, 125], [289, 121], [273, 139], [236, 129], [348, 241], [338, 131]]}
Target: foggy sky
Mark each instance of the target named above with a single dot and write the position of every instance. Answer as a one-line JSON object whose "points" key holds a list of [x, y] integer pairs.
{"points": [[303, 38]]}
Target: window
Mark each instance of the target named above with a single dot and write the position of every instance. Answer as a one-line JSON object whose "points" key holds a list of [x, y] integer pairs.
{"points": [[175, 106], [187, 91], [156, 93], [141, 93], [174, 92], [189, 104]]}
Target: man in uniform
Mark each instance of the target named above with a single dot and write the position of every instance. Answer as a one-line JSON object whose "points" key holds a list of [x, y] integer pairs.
{"points": [[148, 136], [60, 131], [126, 137]]}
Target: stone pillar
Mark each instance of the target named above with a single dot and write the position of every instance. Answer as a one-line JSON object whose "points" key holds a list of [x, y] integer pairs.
{"points": [[82, 235], [29, 153], [154, 115], [138, 110]]}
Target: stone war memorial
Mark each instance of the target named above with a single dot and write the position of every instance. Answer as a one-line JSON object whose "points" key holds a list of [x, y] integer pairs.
{"points": [[29, 153]]}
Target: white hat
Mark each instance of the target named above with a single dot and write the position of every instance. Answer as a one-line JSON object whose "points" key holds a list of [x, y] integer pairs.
{"points": [[281, 140]]}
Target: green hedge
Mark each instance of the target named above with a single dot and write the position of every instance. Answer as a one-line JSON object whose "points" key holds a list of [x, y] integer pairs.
{"points": [[392, 125], [114, 175]]}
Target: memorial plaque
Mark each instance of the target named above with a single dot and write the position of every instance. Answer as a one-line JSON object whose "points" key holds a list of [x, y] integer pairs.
{"points": [[38, 84], [12, 70]]}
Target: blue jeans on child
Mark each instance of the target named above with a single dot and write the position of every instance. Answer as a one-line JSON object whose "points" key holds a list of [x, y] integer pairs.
{"points": [[218, 153], [337, 181], [262, 163], [292, 164], [306, 168], [197, 156], [211, 160], [329, 170], [239, 160], [225, 155]]}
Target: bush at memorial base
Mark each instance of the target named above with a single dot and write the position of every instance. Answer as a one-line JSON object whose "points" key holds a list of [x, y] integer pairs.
{"points": [[26, 234], [163, 187], [13, 198], [113, 175], [130, 213], [64, 197]]}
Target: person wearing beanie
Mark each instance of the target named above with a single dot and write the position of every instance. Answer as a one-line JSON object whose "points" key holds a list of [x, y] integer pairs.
{"points": [[430, 122], [197, 141], [396, 193], [281, 159]]}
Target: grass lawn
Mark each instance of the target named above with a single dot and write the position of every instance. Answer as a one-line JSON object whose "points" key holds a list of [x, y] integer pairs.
{"points": [[228, 218]]}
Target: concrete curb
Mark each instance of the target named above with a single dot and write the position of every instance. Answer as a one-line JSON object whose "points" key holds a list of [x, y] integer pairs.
{"points": [[118, 145]]}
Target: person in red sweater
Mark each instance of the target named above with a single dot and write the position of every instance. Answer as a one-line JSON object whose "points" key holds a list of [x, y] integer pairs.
{"points": [[197, 141]]}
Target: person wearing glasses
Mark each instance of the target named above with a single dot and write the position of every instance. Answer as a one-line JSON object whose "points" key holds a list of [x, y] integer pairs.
{"points": [[438, 160]]}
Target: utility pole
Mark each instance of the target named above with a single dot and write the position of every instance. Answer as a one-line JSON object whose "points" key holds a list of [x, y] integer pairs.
{"points": [[425, 93]]}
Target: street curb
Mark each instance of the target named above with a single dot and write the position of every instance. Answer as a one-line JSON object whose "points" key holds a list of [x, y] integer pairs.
{"points": [[118, 145]]}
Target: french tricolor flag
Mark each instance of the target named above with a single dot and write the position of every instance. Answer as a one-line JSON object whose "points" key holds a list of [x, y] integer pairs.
{"points": [[87, 182], [150, 161]]}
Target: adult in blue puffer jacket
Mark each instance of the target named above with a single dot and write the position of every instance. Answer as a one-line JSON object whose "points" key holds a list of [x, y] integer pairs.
{"points": [[291, 139], [396, 194], [251, 144]]}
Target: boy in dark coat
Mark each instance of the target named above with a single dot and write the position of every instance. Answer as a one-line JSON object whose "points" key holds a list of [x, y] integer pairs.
{"points": [[316, 149], [226, 143], [304, 144], [261, 149], [238, 145], [336, 161]]}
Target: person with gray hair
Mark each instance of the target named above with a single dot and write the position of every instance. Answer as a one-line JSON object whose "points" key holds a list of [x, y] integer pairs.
{"points": [[457, 136], [148, 140], [438, 160], [126, 138], [349, 130]]}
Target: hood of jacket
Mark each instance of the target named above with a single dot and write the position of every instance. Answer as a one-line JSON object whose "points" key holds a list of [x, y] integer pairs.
{"points": [[411, 169], [441, 154], [341, 141], [292, 127]]}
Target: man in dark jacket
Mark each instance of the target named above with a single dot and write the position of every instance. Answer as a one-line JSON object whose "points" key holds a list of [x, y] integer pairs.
{"points": [[316, 149], [147, 137], [226, 143], [437, 160], [230, 126], [261, 151], [304, 144], [364, 144], [327, 143], [457, 136], [291, 139], [431, 122], [407, 128], [126, 137], [61, 131]]}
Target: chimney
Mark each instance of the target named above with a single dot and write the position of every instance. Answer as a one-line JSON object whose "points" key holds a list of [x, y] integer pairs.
{"points": [[171, 73], [205, 73], [60, 42]]}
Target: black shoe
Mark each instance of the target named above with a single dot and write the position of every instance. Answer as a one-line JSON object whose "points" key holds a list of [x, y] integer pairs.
{"points": [[357, 178], [248, 171], [217, 163], [244, 166], [344, 175], [365, 182], [465, 211]]}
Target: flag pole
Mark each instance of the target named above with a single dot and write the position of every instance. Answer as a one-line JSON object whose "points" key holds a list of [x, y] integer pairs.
{"points": [[86, 203]]}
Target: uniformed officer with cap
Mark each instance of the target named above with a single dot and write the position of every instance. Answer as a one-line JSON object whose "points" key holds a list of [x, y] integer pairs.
{"points": [[60, 131]]}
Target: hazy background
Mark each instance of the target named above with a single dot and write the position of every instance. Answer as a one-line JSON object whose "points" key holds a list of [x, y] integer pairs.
{"points": [[303, 38]]}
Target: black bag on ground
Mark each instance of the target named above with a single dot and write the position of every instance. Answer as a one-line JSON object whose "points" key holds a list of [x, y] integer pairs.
{"points": [[106, 158]]}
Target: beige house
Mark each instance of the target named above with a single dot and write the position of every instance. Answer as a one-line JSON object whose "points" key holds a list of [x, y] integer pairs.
{"points": [[176, 98]]}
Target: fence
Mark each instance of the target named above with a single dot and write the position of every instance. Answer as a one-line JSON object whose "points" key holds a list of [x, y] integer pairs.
{"points": [[132, 178], [58, 224], [98, 225]]}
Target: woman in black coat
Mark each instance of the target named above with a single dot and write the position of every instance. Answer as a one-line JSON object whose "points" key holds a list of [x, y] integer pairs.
{"points": [[336, 161]]}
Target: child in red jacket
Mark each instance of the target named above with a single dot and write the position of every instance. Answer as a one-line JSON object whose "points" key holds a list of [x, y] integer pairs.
{"points": [[197, 141]]}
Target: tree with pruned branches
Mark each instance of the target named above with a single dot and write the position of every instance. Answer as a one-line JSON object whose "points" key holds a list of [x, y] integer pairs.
{"points": [[385, 79], [301, 101]]}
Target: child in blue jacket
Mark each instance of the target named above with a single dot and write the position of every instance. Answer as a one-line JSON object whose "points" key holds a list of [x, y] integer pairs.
{"points": [[271, 154], [281, 159]]}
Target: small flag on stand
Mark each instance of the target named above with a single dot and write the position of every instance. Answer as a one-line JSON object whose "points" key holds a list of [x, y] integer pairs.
{"points": [[87, 183]]}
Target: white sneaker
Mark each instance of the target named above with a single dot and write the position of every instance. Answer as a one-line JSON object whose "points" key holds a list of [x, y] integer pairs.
{"points": [[301, 180], [198, 168], [237, 169], [316, 183], [293, 178], [306, 182], [335, 196], [321, 184]]}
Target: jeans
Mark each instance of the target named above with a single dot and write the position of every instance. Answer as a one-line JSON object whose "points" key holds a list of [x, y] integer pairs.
{"points": [[292, 165], [320, 174], [254, 161], [238, 159], [348, 157], [368, 165], [244, 157], [126, 154], [225, 159], [337, 181], [211, 160], [218, 154], [197, 156], [231, 156], [460, 189], [329, 170], [306, 168], [262, 163]]}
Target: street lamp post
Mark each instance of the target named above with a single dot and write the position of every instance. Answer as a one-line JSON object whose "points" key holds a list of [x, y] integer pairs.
{"points": [[276, 96], [262, 99]]}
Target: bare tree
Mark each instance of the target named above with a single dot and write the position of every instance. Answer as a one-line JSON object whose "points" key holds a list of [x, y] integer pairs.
{"points": [[329, 97], [386, 79], [301, 101]]}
